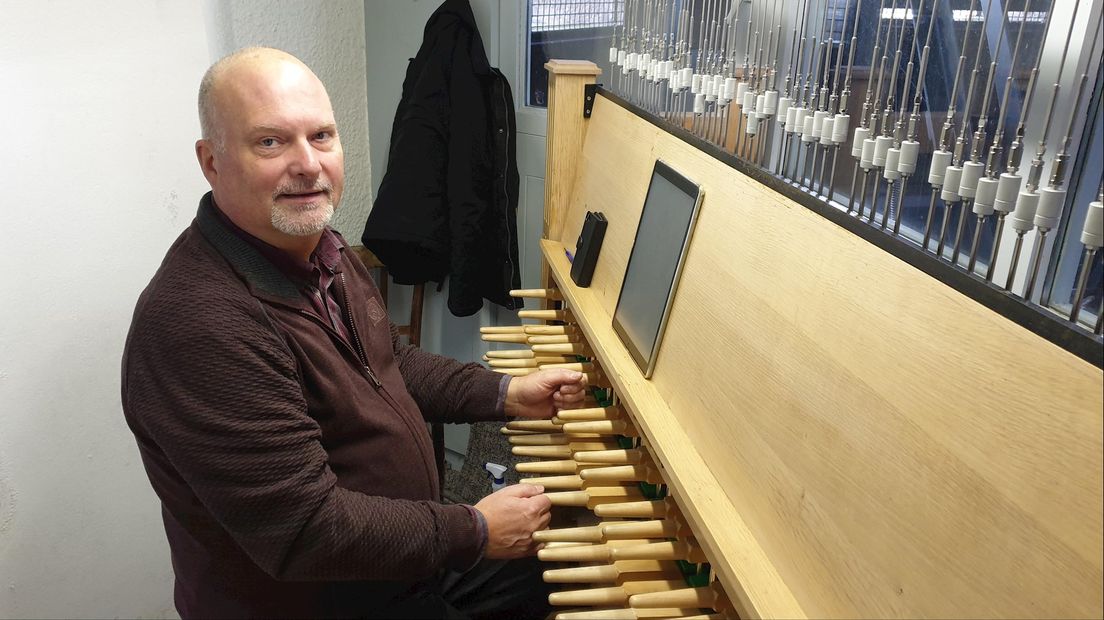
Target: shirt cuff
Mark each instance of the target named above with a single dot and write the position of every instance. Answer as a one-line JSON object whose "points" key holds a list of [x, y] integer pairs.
{"points": [[503, 388], [481, 533]]}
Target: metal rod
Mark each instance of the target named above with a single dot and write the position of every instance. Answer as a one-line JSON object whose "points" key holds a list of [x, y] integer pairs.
{"points": [[910, 148]]}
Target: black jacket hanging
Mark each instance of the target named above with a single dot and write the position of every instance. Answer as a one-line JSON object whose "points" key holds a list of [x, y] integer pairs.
{"points": [[447, 205]]}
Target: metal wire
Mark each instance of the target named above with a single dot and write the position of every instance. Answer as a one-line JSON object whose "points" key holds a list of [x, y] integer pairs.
{"points": [[552, 15]]}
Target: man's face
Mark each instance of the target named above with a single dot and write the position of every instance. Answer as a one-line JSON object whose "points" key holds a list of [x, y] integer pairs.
{"points": [[279, 172]]}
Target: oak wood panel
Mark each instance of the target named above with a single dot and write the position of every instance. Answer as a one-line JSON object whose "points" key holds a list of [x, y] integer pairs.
{"points": [[743, 567], [893, 448]]}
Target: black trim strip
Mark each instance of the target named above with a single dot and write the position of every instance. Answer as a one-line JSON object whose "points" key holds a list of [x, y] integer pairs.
{"points": [[1044, 323]]}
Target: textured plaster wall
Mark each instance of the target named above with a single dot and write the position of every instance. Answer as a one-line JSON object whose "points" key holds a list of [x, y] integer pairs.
{"points": [[97, 101], [98, 112]]}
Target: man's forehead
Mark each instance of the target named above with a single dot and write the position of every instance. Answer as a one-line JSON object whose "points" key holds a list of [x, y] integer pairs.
{"points": [[255, 91]]}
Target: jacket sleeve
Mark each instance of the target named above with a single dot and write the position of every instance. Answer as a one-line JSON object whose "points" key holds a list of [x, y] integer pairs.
{"points": [[222, 399], [447, 390], [468, 203]]}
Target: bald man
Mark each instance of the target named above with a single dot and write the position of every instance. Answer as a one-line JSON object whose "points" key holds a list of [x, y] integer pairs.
{"points": [[280, 421]]}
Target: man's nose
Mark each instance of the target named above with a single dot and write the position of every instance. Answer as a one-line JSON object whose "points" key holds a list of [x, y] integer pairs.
{"points": [[304, 160]]}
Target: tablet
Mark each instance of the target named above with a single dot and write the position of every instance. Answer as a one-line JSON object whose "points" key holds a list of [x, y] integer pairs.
{"points": [[651, 277]]}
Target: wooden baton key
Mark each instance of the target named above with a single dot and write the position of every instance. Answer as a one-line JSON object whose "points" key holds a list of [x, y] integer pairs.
{"points": [[613, 595], [547, 315], [666, 550], [590, 414], [610, 573], [709, 597], [536, 293]]}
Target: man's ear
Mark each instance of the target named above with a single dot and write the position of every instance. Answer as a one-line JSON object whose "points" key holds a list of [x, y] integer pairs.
{"points": [[205, 153]]}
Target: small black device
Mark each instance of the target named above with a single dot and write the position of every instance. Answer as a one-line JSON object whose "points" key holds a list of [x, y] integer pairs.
{"points": [[588, 247]]}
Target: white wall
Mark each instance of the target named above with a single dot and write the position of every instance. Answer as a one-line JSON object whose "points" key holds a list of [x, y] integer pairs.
{"points": [[99, 121]]}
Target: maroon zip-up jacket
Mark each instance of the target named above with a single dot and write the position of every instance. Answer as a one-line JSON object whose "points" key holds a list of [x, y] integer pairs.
{"points": [[295, 471]]}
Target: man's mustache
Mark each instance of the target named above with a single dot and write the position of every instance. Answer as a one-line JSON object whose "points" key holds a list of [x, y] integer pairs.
{"points": [[295, 189]]}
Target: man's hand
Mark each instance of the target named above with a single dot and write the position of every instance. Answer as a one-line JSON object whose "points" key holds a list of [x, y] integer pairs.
{"points": [[544, 392], [512, 515]]}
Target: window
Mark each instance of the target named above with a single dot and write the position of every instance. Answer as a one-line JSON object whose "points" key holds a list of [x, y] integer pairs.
{"points": [[570, 29]]}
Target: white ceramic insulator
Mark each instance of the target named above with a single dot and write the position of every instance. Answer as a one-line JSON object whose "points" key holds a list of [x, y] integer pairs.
{"points": [[613, 54], [940, 160], [752, 125], [791, 119], [861, 134], [1023, 216], [645, 60], [1007, 191], [760, 103], [840, 124], [729, 88], [867, 158], [818, 122], [971, 172], [986, 195], [826, 131], [687, 76], [770, 106], [749, 101], [718, 85], [630, 61], [893, 156], [622, 55], [807, 130], [696, 83], [910, 151], [1049, 210], [799, 120], [784, 110], [699, 104], [653, 70], [951, 182], [741, 88], [881, 147], [1092, 235], [668, 68]]}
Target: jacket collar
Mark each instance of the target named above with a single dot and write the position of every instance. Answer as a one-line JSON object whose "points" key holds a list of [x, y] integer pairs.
{"points": [[258, 272], [460, 10]]}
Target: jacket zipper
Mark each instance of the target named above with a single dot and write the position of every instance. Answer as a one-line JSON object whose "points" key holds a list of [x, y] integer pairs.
{"points": [[505, 193], [356, 334], [364, 359]]}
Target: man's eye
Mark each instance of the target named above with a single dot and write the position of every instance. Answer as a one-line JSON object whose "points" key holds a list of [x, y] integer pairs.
{"points": [[267, 142], [323, 135]]}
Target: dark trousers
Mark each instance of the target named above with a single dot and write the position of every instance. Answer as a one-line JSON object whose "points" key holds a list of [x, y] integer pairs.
{"points": [[491, 590]]}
